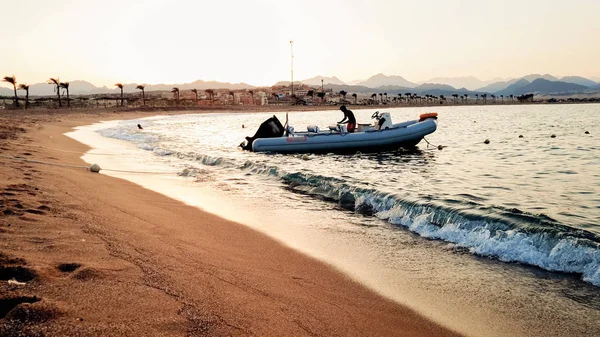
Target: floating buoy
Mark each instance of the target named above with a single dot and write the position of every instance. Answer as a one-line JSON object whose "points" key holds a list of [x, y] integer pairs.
{"points": [[587, 132], [440, 147], [243, 126], [553, 136], [358, 153], [520, 136], [487, 141], [305, 157], [95, 168]]}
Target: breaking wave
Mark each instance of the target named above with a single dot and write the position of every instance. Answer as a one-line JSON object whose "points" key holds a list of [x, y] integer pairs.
{"points": [[508, 235]]}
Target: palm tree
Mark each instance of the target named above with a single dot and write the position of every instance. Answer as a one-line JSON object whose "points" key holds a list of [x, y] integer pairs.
{"points": [[502, 98], [251, 92], [484, 97], [321, 95], [13, 80], [466, 98], [408, 97], [511, 97], [142, 88], [175, 92], [65, 85], [380, 97], [476, 98], [385, 94], [195, 91], [355, 97], [56, 83], [343, 93], [26, 88], [277, 96], [211, 94], [374, 97], [120, 86]]}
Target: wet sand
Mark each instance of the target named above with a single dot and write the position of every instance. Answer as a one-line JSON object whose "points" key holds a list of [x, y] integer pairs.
{"points": [[87, 254]]}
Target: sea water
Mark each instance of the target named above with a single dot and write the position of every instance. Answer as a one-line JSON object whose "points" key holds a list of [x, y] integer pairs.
{"points": [[490, 239]]}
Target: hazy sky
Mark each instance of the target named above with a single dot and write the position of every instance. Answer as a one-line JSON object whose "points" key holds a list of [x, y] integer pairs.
{"points": [[161, 41]]}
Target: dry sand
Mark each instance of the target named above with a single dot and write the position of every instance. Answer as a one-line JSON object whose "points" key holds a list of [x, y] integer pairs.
{"points": [[98, 256]]}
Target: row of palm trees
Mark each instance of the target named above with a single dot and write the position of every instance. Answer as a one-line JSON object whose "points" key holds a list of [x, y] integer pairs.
{"points": [[54, 81], [175, 91], [412, 97], [64, 86]]}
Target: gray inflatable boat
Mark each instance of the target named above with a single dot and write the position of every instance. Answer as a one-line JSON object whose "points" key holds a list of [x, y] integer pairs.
{"points": [[382, 136]]}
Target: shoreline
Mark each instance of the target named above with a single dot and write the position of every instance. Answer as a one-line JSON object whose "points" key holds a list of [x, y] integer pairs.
{"points": [[147, 257], [157, 111]]}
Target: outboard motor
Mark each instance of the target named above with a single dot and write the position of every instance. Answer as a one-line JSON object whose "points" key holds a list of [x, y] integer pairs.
{"points": [[382, 120], [270, 128]]}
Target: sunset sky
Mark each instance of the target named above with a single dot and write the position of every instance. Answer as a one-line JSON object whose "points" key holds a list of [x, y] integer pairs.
{"points": [[160, 41]]}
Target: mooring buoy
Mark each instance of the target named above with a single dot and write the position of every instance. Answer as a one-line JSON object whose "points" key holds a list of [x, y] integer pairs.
{"points": [[95, 168]]}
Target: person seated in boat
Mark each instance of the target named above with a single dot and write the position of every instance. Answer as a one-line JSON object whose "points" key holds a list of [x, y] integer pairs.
{"points": [[348, 117]]}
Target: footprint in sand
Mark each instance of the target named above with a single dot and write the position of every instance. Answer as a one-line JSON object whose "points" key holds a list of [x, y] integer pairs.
{"points": [[35, 211], [9, 303], [18, 273], [68, 267]]}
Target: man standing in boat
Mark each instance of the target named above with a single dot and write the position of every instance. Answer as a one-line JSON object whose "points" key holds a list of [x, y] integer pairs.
{"points": [[348, 117]]}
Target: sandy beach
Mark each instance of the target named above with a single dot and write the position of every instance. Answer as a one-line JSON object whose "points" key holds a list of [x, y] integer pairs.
{"points": [[87, 254]]}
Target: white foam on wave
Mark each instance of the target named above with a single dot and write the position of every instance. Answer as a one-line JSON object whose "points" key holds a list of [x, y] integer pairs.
{"points": [[130, 134], [565, 254], [142, 139]]}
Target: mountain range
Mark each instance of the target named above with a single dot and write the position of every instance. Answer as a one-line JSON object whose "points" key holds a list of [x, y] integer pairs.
{"points": [[468, 84], [541, 85], [533, 83]]}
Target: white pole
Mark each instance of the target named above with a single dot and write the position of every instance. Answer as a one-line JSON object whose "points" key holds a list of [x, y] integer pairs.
{"points": [[292, 67]]}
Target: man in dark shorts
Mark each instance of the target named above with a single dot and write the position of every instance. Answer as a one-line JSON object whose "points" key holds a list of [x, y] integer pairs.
{"points": [[348, 117]]}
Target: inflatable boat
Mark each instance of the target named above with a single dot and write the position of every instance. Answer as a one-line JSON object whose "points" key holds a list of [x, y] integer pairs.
{"points": [[381, 136]]}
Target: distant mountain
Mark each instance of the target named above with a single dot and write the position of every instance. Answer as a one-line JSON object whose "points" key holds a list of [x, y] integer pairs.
{"points": [[433, 86], [534, 77], [390, 88], [541, 86], [596, 79], [514, 88], [469, 82], [6, 92], [362, 89], [497, 86], [579, 80], [75, 87], [326, 80], [502, 85], [87, 88], [316, 81], [381, 80], [355, 82]]}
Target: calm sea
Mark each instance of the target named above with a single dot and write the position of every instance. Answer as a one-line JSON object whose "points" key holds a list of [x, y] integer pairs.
{"points": [[491, 239]]}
